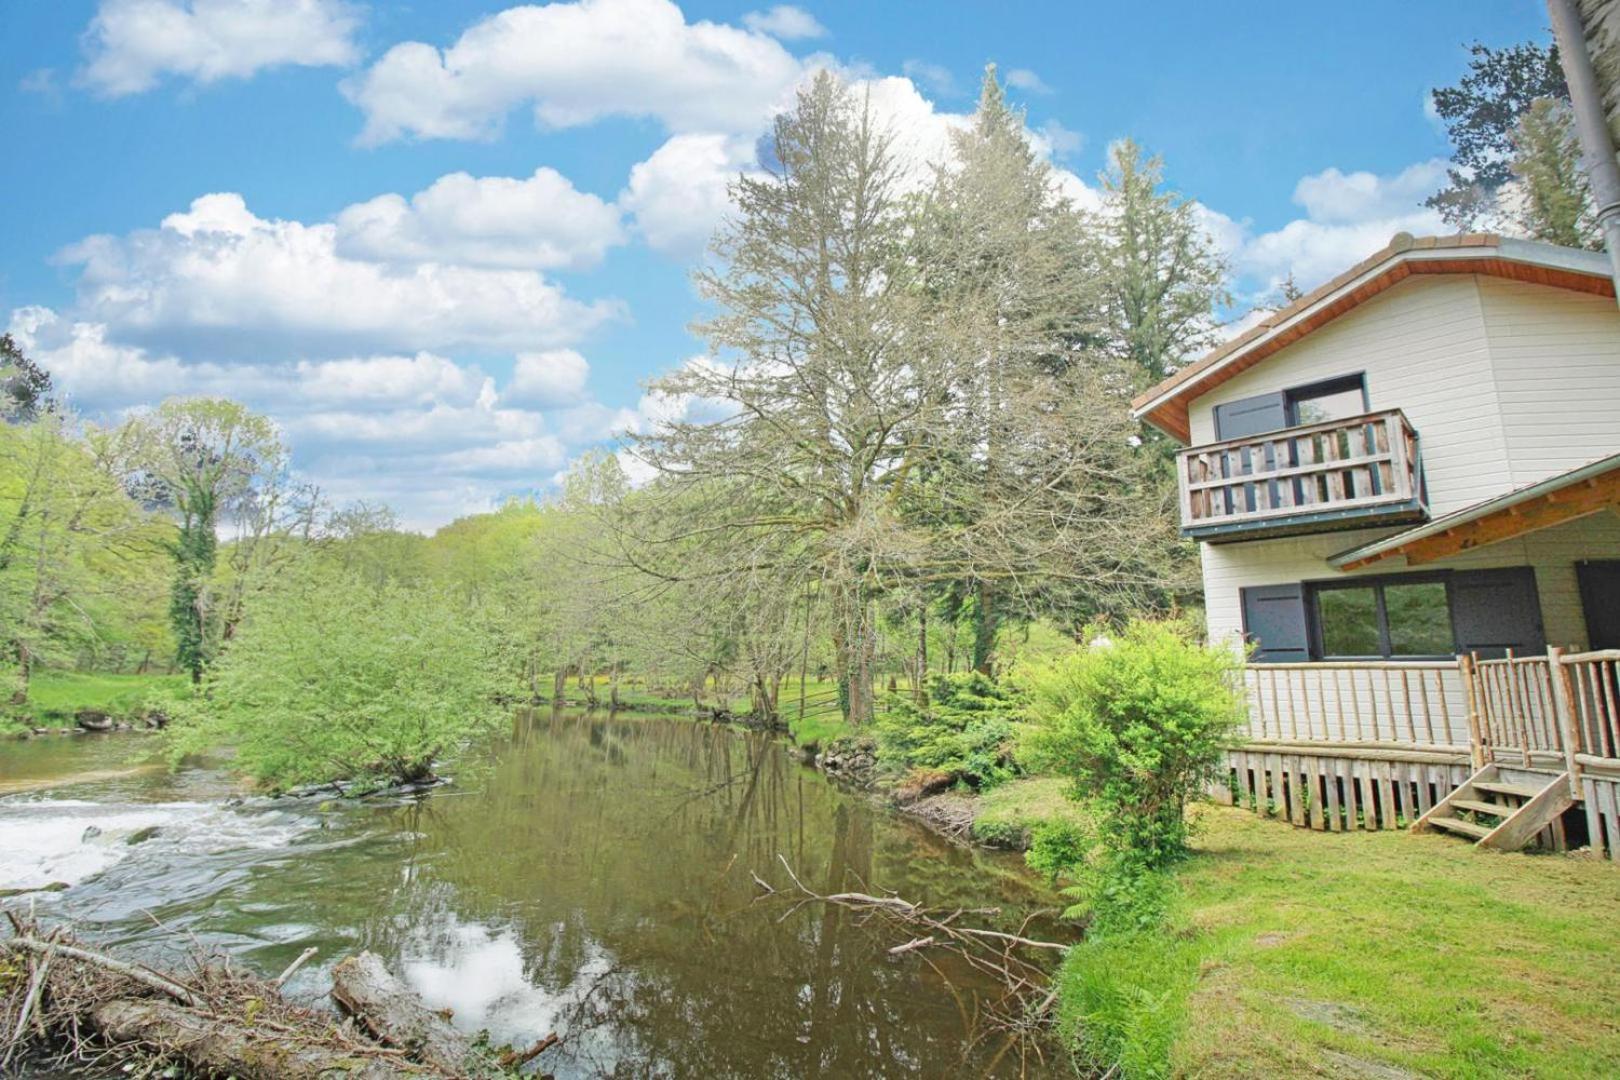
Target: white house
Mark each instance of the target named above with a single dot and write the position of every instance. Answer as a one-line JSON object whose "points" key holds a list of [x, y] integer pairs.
{"points": [[1416, 462]]}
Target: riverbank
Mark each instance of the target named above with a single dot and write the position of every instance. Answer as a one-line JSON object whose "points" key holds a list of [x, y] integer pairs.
{"points": [[1298, 953], [57, 698]]}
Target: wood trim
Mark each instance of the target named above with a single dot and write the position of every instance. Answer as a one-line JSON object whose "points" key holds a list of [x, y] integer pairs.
{"points": [[1591, 496]]}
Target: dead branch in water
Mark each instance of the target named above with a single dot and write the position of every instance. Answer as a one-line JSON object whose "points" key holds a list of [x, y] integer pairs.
{"points": [[995, 953]]}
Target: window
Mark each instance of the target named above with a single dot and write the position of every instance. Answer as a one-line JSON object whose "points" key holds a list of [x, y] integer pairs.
{"points": [[1408, 616], [1336, 399]]}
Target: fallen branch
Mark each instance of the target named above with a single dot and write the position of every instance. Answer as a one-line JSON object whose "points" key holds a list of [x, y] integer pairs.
{"points": [[364, 988], [287, 972], [144, 976], [994, 953]]}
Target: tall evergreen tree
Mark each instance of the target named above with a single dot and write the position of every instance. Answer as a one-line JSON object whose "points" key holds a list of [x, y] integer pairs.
{"points": [[1162, 277]]}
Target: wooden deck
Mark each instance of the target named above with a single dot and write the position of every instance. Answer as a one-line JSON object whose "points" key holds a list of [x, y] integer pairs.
{"points": [[1361, 471], [1380, 745]]}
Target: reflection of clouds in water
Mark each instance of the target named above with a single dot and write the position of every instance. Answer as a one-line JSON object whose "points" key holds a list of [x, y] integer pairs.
{"points": [[478, 973]]}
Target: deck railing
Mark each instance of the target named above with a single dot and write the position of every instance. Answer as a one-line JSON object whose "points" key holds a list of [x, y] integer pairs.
{"points": [[1371, 703], [1324, 728], [1367, 463]]}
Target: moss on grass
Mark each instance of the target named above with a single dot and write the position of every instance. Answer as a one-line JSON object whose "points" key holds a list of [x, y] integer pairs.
{"points": [[1304, 953]]}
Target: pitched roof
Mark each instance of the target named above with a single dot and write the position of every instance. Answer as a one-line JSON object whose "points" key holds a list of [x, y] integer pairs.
{"points": [[1165, 405]]}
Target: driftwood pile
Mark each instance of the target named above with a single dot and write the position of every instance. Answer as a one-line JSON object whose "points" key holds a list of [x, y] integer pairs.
{"points": [[63, 1002]]}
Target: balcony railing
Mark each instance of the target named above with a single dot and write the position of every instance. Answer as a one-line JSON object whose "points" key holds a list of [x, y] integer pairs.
{"points": [[1341, 474]]}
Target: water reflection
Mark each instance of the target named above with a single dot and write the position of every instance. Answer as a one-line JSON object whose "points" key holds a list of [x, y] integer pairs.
{"points": [[593, 876]]}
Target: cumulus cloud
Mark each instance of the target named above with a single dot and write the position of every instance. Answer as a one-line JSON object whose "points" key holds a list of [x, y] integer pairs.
{"points": [[547, 379], [678, 196], [1335, 197], [132, 44], [542, 222], [934, 76], [786, 22], [1026, 80], [574, 63], [218, 279], [1348, 216]]}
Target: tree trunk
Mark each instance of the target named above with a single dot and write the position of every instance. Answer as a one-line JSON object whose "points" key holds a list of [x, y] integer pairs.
{"points": [[217, 1047], [364, 988], [985, 622], [920, 690], [559, 685], [25, 670]]}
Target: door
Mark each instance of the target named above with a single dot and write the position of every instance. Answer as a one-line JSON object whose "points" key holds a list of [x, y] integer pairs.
{"points": [[1600, 600], [1494, 611], [1240, 420]]}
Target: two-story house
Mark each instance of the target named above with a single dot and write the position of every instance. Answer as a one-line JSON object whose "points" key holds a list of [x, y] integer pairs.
{"points": [[1419, 460]]}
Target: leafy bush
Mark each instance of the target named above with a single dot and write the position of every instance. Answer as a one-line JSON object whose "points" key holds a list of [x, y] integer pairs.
{"points": [[1057, 847], [967, 730], [1139, 727], [334, 677]]}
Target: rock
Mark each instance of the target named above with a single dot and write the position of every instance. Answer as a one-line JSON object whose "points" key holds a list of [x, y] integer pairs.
{"points": [[90, 833], [142, 835], [93, 720], [55, 886]]}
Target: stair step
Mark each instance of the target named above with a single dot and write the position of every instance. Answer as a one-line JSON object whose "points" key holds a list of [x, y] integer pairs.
{"points": [[1458, 825], [1502, 787], [1496, 809]]}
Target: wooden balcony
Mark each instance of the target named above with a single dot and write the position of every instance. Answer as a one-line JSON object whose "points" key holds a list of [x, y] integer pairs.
{"points": [[1344, 474]]}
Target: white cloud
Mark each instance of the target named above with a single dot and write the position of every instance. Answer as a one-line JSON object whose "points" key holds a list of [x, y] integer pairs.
{"points": [[131, 44], [678, 196], [542, 222], [1348, 216], [786, 22], [557, 377], [574, 63], [220, 281], [1336, 197], [934, 76], [1027, 80], [1060, 141]]}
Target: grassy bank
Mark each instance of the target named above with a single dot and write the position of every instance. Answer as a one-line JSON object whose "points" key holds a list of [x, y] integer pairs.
{"points": [[1303, 953], [54, 697]]}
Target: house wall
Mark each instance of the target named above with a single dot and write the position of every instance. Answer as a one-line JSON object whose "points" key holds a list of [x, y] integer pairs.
{"points": [[1506, 383], [1555, 355]]}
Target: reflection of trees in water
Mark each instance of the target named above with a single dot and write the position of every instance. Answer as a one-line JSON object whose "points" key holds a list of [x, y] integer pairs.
{"points": [[639, 837]]}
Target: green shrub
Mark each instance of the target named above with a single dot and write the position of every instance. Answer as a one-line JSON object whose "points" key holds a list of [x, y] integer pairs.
{"points": [[1058, 847], [1139, 727], [334, 677], [967, 729]]}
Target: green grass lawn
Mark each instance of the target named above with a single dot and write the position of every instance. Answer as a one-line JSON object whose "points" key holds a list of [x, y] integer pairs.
{"points": [[1298, 953], [55, 696]]}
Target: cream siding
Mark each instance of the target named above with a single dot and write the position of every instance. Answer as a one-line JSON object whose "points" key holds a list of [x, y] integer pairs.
{"points": [[1506, 383], [1556, 359], [1423, 348]]}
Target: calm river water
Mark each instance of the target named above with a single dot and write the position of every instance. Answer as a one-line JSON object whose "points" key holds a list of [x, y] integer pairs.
{"points": [[588, 875]]}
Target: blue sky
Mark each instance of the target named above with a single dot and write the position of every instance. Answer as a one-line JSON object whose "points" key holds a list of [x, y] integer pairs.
{"points": [[333, 210]]}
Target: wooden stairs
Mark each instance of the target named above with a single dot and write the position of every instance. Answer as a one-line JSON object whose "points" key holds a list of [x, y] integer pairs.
{"points": [[1501, 808]]}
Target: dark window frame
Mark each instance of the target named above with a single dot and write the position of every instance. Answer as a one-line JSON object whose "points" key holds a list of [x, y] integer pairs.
{"points": [[1313, 612], [1293, 395]]}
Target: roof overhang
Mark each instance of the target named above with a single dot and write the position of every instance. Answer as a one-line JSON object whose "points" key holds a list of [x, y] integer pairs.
{"points": [[1165, 405], [1589, 489]]}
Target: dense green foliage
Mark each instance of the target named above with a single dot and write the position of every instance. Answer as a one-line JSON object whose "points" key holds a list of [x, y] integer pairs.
{"points": [[1139, 725], [966, 729], [338, 677]]}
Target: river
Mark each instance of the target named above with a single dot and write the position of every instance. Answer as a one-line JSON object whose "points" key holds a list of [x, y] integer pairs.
{"points": [[585, 874]]}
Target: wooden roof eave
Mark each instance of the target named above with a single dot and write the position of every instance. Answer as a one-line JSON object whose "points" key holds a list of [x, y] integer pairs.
{"points": [[1579, 493]]}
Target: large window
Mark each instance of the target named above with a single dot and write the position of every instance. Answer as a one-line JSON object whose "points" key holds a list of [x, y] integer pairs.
{"points": [[1337, 399], [1391, 617]]}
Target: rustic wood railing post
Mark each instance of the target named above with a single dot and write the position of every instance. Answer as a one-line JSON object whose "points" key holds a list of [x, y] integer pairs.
{"points": [[1569, 726], [1478, 745]]}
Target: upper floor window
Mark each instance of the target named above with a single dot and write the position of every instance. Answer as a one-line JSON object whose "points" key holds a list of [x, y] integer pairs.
{"points": [[1319, 402]]}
